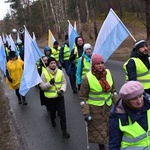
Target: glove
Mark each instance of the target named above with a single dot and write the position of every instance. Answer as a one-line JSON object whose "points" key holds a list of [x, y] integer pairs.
{"points": [[87, 118], [60, 93], [9, 79], [52, 81], [79, 87]]}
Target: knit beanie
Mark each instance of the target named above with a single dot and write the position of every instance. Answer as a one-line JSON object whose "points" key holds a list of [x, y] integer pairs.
{"points": [[86, 46], [131, 89], [51, 59], [55, 43], [96, 58], [139, 44], [47, 48]]}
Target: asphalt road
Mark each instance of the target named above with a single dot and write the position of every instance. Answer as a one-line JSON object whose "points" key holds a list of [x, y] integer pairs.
{"points": [[34, 123]]}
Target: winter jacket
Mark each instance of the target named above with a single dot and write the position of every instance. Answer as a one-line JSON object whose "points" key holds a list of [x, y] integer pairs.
{"points": [[98, 126], [45, 85], [121, 111], [131, 66], [14, 70], [80, 66]]}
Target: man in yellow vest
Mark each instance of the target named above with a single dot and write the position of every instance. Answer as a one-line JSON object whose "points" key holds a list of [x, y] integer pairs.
{"points": [[138, 66], [54, 86], [129, 125]]}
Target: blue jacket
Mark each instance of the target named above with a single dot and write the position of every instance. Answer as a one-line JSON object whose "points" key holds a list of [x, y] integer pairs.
{"points": [[115, 136], [80, 66]]}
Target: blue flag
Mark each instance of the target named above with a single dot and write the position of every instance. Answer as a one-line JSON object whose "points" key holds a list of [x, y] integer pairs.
{"points": [[2, 57], [72, 35], [112, 33], [30, 76]]}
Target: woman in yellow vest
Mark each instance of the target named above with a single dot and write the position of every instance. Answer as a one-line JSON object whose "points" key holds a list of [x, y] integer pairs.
{"points": [[54, 85], [130, 119], [14, 74], [97, 94]]}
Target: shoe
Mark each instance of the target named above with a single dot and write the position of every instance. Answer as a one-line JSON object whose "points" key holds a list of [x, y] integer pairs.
{"points": [[74, 90], [53, 124], [25, 102], [20, 102], [66, 134]]}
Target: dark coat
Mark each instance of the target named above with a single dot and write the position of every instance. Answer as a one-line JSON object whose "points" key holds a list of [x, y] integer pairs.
{"points": [[98, 126], [121, 111]]}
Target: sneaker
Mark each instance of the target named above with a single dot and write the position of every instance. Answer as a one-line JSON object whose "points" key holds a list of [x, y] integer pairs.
{"points": [[53, 124], [66, 134]]}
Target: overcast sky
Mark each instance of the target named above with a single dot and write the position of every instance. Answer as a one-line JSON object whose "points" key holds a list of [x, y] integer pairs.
{"points": [[4, 8]]}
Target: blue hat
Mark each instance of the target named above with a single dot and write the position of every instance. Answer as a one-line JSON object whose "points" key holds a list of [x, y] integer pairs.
{"points": [[47, 48]]}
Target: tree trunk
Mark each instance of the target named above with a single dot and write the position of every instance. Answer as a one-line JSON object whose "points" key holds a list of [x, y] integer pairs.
{"points": [[88, 19], [79, 20]]}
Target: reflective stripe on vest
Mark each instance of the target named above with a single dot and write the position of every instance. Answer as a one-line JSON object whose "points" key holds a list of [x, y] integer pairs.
{"points": [[143, 74], [86, 67], [134, 136], [66, 53], [52, 92], [96, 95]]}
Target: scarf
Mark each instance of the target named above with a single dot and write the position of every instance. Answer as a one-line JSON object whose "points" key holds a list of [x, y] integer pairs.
{"points": [[101, 77]]}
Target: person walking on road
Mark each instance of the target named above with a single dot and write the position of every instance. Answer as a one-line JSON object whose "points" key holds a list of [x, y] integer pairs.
{"points": [[97, 94], [138, 66], [55, 52], [54, 85], [74, 56], [130, 119], [14, 74], [41, 69], [84, 64]]}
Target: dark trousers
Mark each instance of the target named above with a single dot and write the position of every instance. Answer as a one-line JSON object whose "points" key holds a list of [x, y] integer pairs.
{"points": [[57, 104], [72, 79], [18, 95]]}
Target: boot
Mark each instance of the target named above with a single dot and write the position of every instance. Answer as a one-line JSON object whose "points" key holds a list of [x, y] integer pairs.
{"points": [[65, 134], [24, 102], [19, 101], [53, 124]]}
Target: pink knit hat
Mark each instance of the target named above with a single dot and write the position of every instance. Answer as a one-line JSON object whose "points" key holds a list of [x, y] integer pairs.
{"points": [[96, 58], [131, 89]]}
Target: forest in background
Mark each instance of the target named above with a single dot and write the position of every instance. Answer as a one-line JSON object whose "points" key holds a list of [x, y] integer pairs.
{"points": [[40, 15]]}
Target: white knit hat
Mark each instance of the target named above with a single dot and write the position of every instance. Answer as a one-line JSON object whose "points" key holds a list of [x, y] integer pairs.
{"points": [[86, 46]]}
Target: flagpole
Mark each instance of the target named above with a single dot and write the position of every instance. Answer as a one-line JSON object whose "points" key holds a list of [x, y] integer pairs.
{"points": [[123, 25]]}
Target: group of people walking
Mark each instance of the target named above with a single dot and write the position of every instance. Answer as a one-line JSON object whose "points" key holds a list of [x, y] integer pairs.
{"points": [[114, 121]]}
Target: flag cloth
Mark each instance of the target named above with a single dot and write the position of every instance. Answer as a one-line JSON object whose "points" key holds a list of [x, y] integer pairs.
{"points": [[18, 38], [13, 46], [3, 38], [75, 26], [51, 39], [2, 57], [112, 33], [72, 34], [33, 37], [30, 75]]}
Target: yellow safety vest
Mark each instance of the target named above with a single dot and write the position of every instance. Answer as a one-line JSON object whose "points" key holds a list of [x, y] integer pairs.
{"points": [[86, 67], [55, 52], [66, 52], [143, 74], [96, 95], [52, 91], [77, 56], [134, 136]]}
